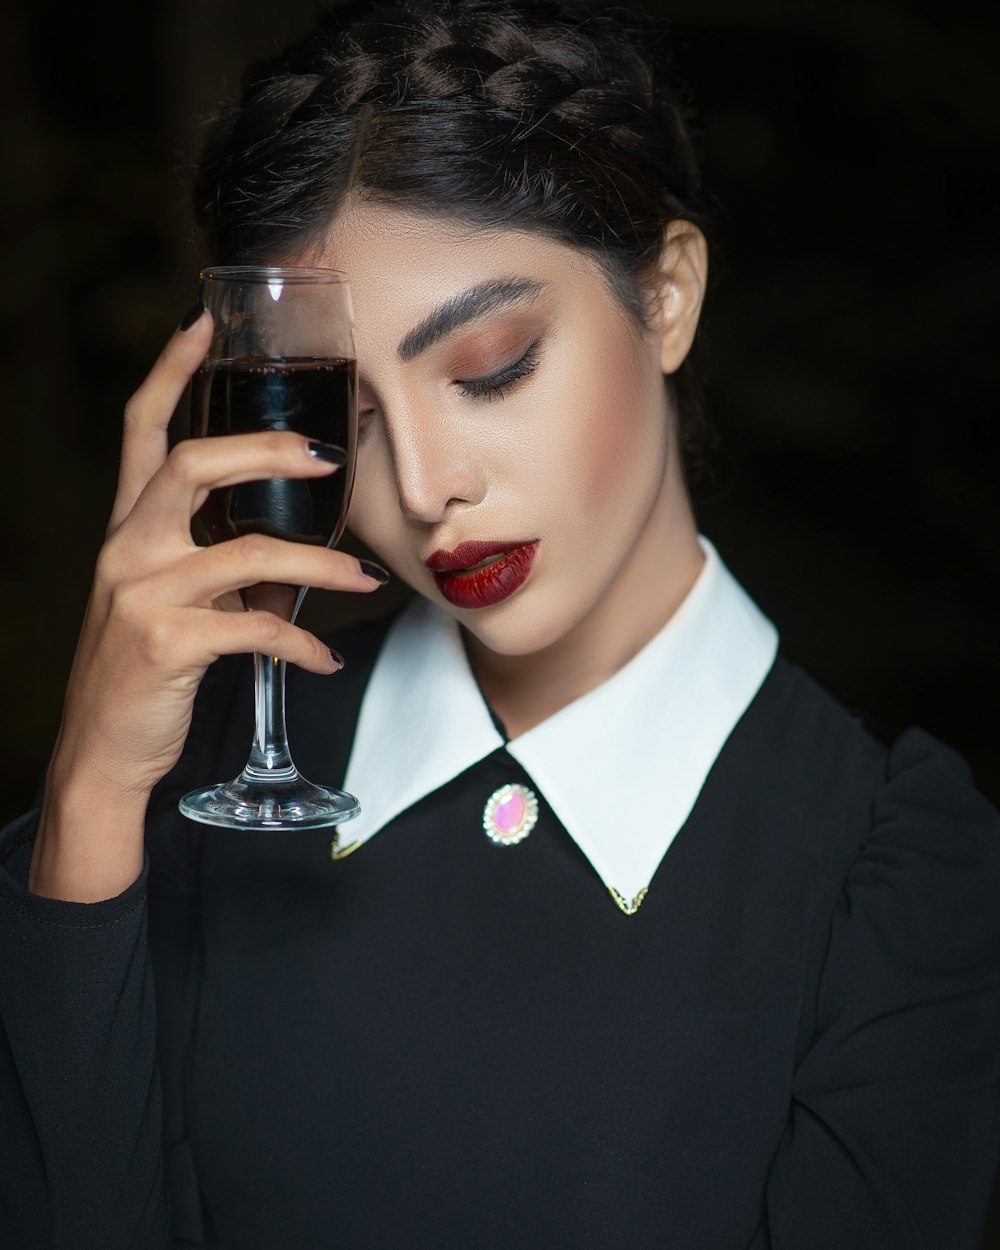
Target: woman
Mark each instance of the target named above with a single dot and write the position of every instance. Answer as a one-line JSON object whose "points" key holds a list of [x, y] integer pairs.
{"points": [[722, 971]]}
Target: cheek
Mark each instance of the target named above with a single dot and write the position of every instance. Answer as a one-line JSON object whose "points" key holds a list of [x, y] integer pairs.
{"points": [[374, 515], [607, 438]]}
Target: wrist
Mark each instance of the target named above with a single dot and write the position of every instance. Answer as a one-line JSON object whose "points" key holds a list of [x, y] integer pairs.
{"points": [[89, 845]]}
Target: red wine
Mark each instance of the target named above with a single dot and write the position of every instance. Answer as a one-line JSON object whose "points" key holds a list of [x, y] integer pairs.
{"points": [[310, 396]]}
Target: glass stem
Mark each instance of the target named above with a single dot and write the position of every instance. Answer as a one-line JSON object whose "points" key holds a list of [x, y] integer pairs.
{"points": [[270, 759]]}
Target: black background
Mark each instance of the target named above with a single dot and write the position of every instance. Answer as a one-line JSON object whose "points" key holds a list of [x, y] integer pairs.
{"points": [[849, 333]]}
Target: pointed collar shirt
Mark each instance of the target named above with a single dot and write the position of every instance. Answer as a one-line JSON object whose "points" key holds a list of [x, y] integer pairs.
{"points": [[654, 728]]}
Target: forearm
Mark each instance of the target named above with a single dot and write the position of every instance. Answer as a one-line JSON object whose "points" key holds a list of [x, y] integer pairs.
{"points": [[89, 844]]}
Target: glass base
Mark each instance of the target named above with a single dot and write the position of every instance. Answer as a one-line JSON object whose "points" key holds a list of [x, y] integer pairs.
{"points": [[278, 804]]}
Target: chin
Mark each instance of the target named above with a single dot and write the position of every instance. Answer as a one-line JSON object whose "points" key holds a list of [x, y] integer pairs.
{"points": [[516, 628]]}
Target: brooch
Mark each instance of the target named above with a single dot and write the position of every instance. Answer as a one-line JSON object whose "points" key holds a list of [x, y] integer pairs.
{"points": [[510, 814]]}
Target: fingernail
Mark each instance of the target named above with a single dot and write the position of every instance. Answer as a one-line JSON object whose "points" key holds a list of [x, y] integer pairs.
{"points": [[191, 316], [328, 452], [375, 571], [337, 658]]}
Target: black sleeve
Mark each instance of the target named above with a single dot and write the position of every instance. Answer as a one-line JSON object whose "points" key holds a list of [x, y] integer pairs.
{"points": [[82, 1120], [80, 1104], [894, 1133]]}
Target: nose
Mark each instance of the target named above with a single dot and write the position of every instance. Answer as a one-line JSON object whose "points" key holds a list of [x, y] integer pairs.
{"points": [[436, 466]]}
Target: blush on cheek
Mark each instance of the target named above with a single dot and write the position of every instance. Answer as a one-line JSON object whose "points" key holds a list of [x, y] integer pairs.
{"points": [[621, 442]]}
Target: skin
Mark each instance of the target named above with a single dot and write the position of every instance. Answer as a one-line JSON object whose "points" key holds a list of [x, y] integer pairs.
{"points": [[581, 455], [154, 622]]}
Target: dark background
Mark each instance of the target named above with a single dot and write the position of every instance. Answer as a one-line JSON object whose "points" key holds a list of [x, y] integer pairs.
{"points": [[849, 332]]}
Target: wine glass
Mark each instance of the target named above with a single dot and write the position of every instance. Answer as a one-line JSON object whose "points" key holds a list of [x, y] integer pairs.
{"points": [[281, 358]]}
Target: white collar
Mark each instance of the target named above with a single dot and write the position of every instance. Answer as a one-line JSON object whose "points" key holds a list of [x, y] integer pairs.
{"points": [[647, 737]]}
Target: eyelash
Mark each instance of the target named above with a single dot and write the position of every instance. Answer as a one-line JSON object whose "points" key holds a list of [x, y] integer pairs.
{"points": [[496, 385]]}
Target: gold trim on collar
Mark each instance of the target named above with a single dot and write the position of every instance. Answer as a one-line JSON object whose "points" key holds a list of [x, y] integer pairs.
{"points": [[624, 905], [341, 852]]}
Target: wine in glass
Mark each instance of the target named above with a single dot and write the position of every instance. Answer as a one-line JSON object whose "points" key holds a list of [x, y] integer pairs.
{"points": [[281, 358]]}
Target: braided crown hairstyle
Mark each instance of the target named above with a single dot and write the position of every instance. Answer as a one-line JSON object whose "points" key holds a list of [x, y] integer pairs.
{"points": [[541, 116]]}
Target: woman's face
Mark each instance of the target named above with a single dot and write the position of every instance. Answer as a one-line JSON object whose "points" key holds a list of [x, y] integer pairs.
{"points": [[505, 398]]}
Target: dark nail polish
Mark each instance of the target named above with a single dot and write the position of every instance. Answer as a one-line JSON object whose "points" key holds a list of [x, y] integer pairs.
{"points": [[337, 658], [328, 452], [191, 316], [374, 571]]}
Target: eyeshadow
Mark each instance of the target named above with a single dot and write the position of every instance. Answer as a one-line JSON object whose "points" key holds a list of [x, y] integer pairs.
{"points": [[489, 349]]}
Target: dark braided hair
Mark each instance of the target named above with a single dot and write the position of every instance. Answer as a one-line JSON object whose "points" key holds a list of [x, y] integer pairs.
{"points": [[510, 114]]}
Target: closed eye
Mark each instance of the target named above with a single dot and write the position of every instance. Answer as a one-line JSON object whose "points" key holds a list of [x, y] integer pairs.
{"points": [[496, 385]]}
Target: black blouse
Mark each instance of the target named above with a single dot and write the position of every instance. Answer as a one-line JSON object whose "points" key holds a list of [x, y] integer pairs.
{"points": [[793, 1045]]}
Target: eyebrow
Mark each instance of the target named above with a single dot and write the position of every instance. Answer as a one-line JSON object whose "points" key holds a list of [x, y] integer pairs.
{"points": [[465, 307]]}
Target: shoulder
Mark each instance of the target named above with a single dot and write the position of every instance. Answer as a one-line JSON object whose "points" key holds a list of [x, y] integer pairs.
{"points": [[798, 749], [890, 849], [928, 870], [799, 724], [809, 768], [896, 1059]]}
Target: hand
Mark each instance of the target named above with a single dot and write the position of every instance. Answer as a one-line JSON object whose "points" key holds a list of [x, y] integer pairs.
{"points": [[157, 618]]}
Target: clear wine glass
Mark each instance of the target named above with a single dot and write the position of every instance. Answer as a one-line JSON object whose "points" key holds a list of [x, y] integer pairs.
{"points": [[282, 358]]}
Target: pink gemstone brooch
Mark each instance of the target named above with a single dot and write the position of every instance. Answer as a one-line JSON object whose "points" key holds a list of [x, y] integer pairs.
{"points": [[510, 814]]}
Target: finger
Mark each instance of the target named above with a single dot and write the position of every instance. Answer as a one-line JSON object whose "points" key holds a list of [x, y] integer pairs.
{"points": [[181, 484], [148, 412], [208, 573], [235, 633]]}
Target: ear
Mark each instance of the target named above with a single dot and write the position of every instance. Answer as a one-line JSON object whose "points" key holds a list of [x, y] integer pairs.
{"points": [[678, 290]]}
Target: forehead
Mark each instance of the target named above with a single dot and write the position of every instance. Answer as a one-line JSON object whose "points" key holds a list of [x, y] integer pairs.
{"points": [[401, 264]]}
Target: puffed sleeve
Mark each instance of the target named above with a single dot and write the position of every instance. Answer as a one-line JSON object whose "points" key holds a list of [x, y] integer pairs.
{"points": [[894, 1133]]}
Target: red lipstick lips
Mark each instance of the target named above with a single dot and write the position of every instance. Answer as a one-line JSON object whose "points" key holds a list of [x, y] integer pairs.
{"points": [[466, 586]]}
